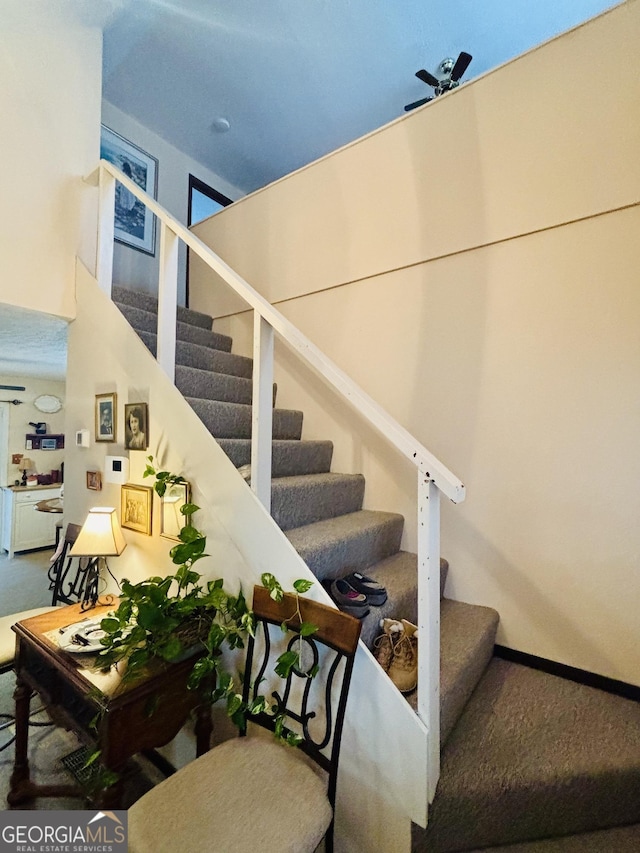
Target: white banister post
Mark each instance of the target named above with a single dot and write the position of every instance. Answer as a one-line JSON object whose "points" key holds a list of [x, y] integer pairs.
{"points": [[106, 213], [167, 300], [429, 621], [262, 410]]}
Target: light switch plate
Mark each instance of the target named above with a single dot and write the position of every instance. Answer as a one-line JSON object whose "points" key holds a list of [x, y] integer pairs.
{"points": [[116, 470]]}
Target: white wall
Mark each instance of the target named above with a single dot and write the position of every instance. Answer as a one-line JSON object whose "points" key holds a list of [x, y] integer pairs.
{"points": [[50, 81], [474, 267], [136, 269]]}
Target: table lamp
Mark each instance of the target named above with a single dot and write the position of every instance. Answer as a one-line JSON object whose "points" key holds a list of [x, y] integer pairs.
{"points": [[25, 465], [99, 538]]}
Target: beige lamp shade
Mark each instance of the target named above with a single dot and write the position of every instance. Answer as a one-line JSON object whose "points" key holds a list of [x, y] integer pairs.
{"points": [[25, 464], [101, 535]]}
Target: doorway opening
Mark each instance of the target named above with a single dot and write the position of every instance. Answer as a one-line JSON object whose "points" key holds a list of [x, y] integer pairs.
{"points": [[204, 201]]}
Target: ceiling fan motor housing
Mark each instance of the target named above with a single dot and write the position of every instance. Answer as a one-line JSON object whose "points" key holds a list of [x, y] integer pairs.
{"points": [[446, 66]]}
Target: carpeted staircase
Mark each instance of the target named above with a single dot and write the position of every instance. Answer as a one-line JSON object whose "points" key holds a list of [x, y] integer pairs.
{"points": [[525, 755]]}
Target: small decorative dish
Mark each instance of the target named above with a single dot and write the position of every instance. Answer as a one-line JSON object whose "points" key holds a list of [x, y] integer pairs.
{"points": [[82, 637]]}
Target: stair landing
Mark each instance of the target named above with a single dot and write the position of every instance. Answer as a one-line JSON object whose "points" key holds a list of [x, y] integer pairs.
{"points": [[534, 756]]}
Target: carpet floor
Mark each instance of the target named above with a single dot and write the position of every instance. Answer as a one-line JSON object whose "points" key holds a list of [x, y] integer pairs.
{"points": [[23, 581], [536, 756]]}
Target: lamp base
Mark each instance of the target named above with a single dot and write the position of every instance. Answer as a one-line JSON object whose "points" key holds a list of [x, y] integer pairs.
{"points": [[90, 597]]}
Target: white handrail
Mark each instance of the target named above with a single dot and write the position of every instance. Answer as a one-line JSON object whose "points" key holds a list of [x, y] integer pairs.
{"points": [[433, 477], [381, 420]]}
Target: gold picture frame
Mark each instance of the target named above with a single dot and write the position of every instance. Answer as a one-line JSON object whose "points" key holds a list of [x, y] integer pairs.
{"points": [[136, 504], [94, 480], [171, 519], [106, 416]]}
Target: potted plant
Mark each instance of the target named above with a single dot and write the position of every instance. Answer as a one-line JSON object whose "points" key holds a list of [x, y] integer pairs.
{"points": [[168, 618]]}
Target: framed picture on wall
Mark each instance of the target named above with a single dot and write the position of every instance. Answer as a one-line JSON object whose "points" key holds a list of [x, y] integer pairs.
{"points": [[106, 417], [94, 480], [136, 426], [136, 507], [134, 224]]}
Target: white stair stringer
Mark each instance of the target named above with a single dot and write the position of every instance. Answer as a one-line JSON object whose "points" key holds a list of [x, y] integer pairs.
{"points": [[382, 782]]}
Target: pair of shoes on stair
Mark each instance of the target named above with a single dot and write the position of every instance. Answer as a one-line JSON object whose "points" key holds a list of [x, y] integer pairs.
{"points": [[396, 650], [355, 593]]}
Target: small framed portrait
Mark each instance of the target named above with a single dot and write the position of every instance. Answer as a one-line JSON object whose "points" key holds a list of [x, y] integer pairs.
{"points": [[172, 520], [136, 426], [136, 507], [94, 480], [134, 224], [106, 417]]}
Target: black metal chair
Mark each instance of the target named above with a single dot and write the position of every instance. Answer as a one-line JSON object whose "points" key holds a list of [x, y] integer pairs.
{"points": [[72, 579], [253, 792]]}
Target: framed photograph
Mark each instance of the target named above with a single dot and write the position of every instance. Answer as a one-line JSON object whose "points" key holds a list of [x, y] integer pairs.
{"points": [[135, 225], [136, 506], [136, 426], [172, 520], [94, 480], [106, 417]]}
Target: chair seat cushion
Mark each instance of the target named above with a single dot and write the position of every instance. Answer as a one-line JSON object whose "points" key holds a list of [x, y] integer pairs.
{"points": [[245, 795], [8, 637]]}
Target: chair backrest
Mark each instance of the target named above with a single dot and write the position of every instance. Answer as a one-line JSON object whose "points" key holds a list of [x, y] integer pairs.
{"points": [[313, 707], [70, 577]]}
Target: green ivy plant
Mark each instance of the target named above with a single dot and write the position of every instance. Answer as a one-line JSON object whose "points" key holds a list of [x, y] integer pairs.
{"points": [[165, 618]]}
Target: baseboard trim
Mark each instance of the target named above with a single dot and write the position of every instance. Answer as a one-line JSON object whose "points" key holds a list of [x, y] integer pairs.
{"points": [[571, 673]]}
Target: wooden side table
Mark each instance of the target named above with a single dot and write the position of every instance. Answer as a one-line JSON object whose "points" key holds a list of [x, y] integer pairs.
{"points": [[138, 716]]}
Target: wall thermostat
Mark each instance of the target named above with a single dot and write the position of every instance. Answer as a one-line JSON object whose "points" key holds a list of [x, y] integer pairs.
{"points": [[116, 470], [82, 438]]}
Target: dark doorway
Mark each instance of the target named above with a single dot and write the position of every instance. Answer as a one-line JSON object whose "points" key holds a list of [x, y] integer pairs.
{"points": [[204, 201]]}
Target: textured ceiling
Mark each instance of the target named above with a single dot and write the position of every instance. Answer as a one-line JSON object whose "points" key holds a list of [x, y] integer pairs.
{"points": [[295, 79], [33, 344]]}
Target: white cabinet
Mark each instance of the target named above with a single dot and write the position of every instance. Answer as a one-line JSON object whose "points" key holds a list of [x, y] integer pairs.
{"points": [[23, 526]]}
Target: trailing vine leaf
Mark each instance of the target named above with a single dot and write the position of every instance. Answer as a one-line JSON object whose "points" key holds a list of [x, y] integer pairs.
{"points": [[285, 663], [273, 585]]}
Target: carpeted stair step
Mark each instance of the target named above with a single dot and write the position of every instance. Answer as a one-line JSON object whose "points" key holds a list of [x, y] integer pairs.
{"points": [[336, 546], [303, 499], [288, 458], [195, 355], [621, 839], [398, 574], [467, 632], [534, 756], [147, 321], [233, 420], [193, 382], [467, 638], [148, 302]]}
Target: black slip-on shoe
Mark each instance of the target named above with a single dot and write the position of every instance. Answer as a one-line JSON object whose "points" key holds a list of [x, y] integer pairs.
{"points": [[348, 599], [376, 594]]}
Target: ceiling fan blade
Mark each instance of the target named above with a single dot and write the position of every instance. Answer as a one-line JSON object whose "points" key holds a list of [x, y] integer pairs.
{"points": [[427, 78], [417, 104], [462, 63]]}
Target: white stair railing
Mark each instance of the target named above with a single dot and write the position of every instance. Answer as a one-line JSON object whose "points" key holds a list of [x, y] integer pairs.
{"points": [[433, 478]]}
